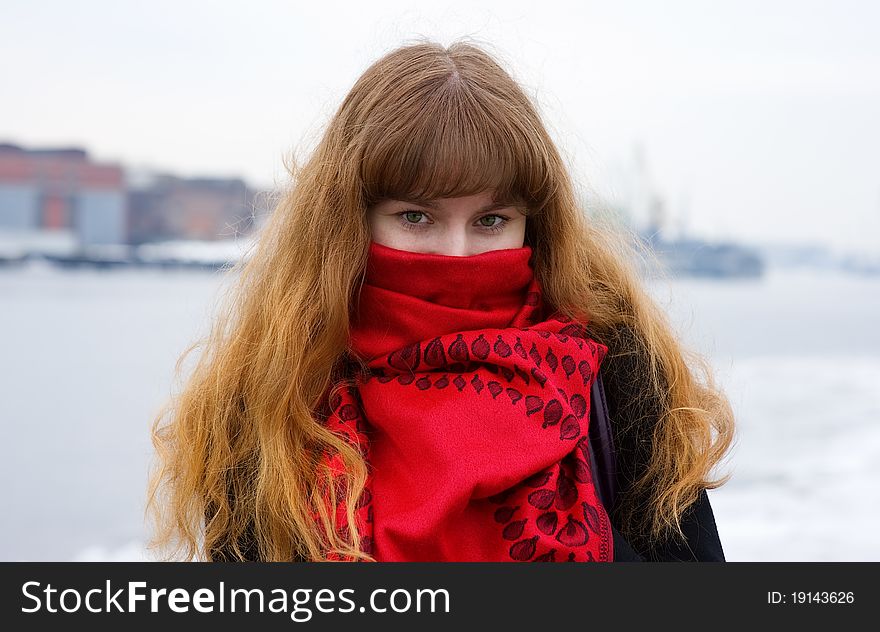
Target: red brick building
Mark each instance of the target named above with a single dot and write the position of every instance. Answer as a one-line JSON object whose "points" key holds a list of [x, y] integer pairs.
{"points": [[62, 189]]}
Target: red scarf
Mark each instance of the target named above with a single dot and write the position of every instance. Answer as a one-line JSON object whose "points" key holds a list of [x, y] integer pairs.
{"points": [[474, 416]]}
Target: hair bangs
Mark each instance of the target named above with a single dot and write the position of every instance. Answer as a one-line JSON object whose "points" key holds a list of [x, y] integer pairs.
{"points": [[453, 146]]}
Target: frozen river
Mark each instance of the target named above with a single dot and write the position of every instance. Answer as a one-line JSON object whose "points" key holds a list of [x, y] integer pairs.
{"points": [[87, 359]]}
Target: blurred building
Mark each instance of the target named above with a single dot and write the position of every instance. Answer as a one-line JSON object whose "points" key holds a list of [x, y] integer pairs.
{"points": [[164, 207], [61, 190]]}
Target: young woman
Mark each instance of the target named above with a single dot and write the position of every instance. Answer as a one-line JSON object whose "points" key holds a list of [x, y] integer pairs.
{"points": [[405, 367]]}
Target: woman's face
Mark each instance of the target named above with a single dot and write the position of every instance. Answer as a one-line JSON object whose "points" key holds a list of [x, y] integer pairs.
{"points": [[457, 227]]}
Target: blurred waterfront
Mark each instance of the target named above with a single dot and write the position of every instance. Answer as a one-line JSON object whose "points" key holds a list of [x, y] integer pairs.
{"points": [[89, 356], [742, 150]]}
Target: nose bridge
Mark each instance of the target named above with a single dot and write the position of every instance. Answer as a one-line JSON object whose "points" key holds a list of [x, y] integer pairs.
{"points": [[455, 241]]}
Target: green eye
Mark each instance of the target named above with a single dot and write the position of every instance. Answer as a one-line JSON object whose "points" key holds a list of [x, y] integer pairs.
{"points": [[409, 216]]}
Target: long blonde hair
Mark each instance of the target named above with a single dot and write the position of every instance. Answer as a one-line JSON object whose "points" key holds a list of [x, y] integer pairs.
{"points": [[239, 472]]}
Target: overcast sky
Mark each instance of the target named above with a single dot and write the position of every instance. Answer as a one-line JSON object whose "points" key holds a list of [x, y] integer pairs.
{"points": [[757, 120]]}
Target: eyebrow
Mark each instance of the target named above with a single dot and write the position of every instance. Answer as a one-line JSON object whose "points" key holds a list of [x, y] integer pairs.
{"points": [[432, 205]]}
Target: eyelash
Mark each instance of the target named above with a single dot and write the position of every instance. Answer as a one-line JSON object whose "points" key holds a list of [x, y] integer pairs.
{"points": [[419, 226]]}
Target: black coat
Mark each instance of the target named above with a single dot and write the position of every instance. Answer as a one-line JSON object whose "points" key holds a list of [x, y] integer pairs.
{"points": [[702, 543], [633, 419]]}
